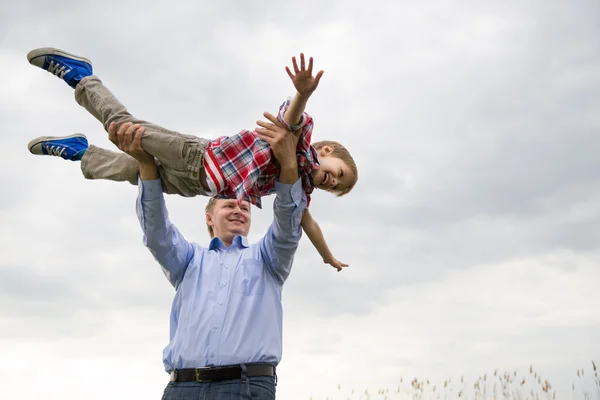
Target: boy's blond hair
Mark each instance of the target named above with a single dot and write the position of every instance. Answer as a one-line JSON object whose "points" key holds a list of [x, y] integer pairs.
{"points": [[343, 154]]}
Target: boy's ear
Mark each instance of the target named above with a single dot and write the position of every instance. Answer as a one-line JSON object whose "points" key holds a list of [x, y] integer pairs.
{"points": [[209, 221], [326, 151]]}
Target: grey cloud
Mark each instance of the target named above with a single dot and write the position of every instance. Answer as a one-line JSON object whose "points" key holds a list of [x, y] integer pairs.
{"points": [[474, 144]]}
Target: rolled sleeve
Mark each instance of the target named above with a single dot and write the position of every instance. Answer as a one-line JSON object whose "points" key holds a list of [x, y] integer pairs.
{"points": [[289, 193], [150, 189], [279, 244], [282, 109]]}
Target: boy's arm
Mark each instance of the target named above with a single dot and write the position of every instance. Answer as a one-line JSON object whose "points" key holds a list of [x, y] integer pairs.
{"points": [[279, 244], [295, 111], [305, 84], [314, 233]]}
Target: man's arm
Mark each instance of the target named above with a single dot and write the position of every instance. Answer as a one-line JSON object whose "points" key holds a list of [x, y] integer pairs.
{"points": [[305, 84], [314, 233], [168, 246], [279, 244], [161, 237]]}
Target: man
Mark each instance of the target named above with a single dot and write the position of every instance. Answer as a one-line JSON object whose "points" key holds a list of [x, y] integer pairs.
{"points": [[226, 318]]}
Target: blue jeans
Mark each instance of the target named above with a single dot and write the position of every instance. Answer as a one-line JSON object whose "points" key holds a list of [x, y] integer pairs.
{"points": [[253, 388]]}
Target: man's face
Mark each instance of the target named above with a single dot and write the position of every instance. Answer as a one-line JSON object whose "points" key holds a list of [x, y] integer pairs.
{"points": [[228, 219]]}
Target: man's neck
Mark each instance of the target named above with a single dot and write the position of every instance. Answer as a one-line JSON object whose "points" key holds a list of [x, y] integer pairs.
{"points": [[227, 240]]}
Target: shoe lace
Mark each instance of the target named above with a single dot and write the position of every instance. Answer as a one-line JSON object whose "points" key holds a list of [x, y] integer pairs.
{"points": [[58, 69], [55, 150]]}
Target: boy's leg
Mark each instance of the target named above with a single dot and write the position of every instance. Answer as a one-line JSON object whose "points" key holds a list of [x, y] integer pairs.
{"points": [[99, 163], [181, 156], [98, 100]]}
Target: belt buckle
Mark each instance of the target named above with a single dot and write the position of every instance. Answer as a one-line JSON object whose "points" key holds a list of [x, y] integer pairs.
{"points": [[198, 376]]}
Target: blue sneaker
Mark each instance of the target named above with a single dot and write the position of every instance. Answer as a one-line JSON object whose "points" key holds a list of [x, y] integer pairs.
{"points": [[69, 67], [68, 147]]}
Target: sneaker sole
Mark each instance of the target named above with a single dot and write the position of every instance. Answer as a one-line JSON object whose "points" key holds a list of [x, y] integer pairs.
{"points": [[41, 139], [45, 51]]}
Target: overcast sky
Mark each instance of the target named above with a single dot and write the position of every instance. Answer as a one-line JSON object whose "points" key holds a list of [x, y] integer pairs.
{"points": [[473, 233]]}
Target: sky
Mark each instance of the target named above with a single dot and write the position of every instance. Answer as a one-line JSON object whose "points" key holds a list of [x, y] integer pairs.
{"points": [[472, 234]]}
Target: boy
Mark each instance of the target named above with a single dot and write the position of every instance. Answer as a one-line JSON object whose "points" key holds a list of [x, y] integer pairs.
{"points": [[239, 166]]}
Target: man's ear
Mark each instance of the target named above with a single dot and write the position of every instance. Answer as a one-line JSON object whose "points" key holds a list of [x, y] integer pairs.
{"points": [[209, 220]]}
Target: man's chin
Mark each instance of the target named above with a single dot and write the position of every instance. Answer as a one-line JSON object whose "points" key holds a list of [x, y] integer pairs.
{"points": [[241, 231]]}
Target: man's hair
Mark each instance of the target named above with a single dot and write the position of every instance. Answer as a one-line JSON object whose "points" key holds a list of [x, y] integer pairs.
{"points": [[208, 209], [343, 154]]}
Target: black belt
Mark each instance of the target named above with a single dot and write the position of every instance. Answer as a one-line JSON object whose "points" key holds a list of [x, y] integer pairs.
{"points": [[221, 373]]}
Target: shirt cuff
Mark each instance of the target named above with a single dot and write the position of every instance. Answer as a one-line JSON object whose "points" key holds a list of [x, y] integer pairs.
{"points": [[294, 128], [150, 189], [282, 109], [289, 193]]}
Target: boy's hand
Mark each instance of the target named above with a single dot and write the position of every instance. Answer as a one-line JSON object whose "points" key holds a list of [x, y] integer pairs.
{"points": [[304, 82], [336, 264]]}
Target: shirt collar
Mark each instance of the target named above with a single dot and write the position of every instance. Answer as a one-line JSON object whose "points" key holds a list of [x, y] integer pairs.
{"points": [[241, 241], [216, 243]]}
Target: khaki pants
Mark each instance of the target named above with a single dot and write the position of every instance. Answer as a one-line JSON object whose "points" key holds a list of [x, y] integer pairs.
{"points": [[180, 158]]}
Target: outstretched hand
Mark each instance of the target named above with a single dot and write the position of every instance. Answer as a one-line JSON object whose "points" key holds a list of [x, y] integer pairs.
{"points": [[336, 264], [302, 78]]}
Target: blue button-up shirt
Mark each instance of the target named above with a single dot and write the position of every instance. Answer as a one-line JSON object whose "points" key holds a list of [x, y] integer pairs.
{"points": [[227, 307]]}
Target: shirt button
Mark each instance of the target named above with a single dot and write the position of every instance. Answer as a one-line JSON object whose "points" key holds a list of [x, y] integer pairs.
{"points": [[216, 326], [212, 354], [223, 284]]}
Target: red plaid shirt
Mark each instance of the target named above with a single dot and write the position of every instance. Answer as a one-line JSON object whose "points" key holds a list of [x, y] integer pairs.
{"points": [[243, 167]]}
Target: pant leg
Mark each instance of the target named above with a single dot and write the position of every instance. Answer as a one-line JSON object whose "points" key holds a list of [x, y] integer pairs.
{"points": [[184, 391], [92, 95], [181, 157], [253, 388], [262, 387], [99, 163]]}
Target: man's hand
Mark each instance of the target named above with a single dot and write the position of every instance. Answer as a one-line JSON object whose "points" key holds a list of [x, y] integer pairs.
{"points": [[282, 142], [302, 78], [128, 139], [336, 264]]}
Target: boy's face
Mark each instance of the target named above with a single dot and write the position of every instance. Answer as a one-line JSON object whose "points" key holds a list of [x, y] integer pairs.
{"points": [[333, 174]]}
